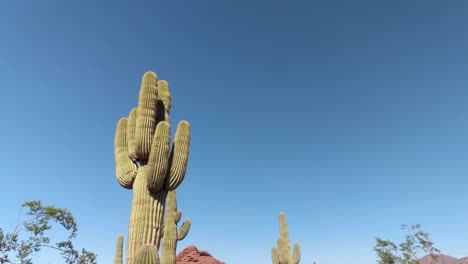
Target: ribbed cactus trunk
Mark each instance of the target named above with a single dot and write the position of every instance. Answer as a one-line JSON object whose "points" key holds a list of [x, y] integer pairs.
{"points": [[146, 219], [146, 163]]}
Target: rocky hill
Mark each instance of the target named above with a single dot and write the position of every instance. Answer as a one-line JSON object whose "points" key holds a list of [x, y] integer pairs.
{"points": [[192, 255], [443, 259]]}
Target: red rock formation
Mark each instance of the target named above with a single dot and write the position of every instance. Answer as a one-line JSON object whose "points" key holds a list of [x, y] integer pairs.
{"points": [[192, 255], [443, 259]]}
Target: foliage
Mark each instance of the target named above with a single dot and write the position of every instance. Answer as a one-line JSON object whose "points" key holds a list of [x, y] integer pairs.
{"points": [[406, 253], [34, 229]]}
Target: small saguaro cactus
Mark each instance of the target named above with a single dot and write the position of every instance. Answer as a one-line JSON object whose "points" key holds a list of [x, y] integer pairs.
{"points": [[118, 250], [146, 163], [282, 254], [171, 235]]}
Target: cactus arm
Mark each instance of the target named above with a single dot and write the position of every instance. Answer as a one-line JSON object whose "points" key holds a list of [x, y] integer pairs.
{"points": [[147, 254], [178, 216], [131, 125], [164, 101], [118, 250], [296, 253], [159, 157], [126, 170], [184, 229], [146, 116], [274, 255], [179, 156]]}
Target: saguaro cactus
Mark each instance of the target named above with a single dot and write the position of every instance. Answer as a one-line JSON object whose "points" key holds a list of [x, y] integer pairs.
{"points": [[171, 235], [145, 163], [282, 254], [118, 250]]}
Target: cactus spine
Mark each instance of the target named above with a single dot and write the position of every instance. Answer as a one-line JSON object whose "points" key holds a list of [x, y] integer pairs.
{"points": [[146, 164], [282, 254], [171, 235]]}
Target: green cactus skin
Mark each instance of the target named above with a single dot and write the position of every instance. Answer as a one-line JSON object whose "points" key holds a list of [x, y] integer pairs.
{"points": [[171, 235], [282, 254], [147, 254], [274, 255], [146, 117], [118, 250], [146, 163]]}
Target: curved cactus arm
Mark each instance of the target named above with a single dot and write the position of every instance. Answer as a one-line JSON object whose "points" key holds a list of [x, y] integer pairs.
{"points": [[159, 157], [164, 101], [179, 156], [147, 254], [274, 255], [296, 253], [146, 115], [184, 229], [118, 250], [126, 170]]}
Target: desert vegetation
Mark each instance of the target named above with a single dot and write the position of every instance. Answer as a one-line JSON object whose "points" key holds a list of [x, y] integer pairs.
{"points": [[30, 236], [152, 169]]}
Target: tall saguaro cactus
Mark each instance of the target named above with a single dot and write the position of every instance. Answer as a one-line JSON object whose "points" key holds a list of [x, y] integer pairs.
{"points": [[146, 164], [282, 254], [171, 235]]}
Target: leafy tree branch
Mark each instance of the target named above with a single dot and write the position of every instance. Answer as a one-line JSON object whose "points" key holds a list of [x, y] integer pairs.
{"points": [[415, 242], [34, 233]]}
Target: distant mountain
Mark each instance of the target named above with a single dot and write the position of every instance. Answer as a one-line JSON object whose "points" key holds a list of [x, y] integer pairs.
{"points": [[443, 259]]}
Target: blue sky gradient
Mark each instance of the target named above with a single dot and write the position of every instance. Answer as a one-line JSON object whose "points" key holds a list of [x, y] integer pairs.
{"points": [[349, 116]]}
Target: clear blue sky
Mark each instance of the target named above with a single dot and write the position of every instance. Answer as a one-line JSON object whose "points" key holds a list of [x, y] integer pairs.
{"points": [[350, 116]]}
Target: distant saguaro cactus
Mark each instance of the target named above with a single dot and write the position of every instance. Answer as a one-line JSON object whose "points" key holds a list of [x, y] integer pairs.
{"points": [[118, 250], [282, 254], [146, 164], [171, 235]]}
